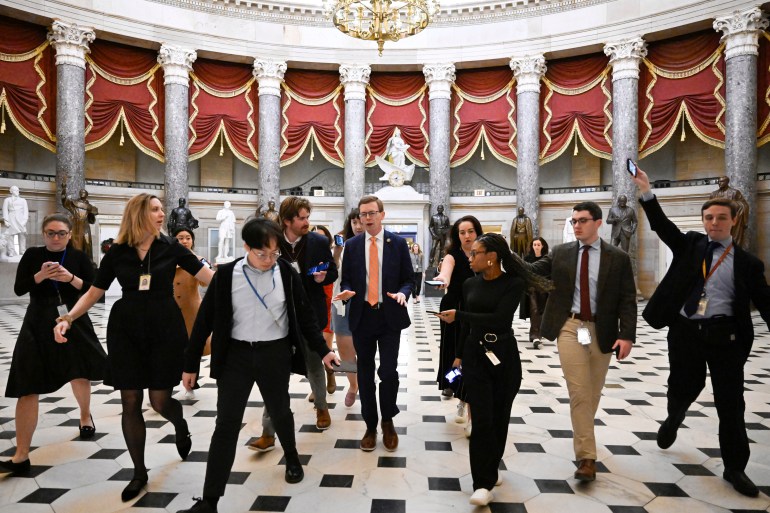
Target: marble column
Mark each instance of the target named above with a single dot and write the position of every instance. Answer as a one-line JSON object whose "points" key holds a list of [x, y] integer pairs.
{"points": [[71, 44], [741, 31], [439, 78], [269, 75], [177, 64], [528, 72], [354, 77]]}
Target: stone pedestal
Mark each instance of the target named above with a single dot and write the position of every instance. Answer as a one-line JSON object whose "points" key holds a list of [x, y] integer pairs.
{"points": [[269, 75], [439, 78], [354, 77]]}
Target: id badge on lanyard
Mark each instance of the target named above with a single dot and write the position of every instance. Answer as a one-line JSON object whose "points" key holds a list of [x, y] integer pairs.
{"points": [[584, 336]]}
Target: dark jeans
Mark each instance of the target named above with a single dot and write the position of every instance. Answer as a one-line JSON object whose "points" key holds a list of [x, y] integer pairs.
{"points": [[269, 365], [690, 352], [373, 332], [490, 391]]}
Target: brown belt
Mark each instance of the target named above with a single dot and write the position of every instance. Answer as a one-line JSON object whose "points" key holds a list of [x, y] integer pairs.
{"points": [[574, 315]]}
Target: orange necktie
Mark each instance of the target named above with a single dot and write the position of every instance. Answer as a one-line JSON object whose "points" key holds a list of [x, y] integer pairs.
{"points": [[373, 294]]}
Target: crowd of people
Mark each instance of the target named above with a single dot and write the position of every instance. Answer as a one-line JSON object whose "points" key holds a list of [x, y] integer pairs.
{"points": [[278, 310]]}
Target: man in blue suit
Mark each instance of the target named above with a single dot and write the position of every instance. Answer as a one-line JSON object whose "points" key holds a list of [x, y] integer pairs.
{"points": [[377, 278]]}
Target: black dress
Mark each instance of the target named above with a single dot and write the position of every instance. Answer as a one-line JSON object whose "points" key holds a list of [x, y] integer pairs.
{"points": [[40, 365], [449, 332], [146, 334]]}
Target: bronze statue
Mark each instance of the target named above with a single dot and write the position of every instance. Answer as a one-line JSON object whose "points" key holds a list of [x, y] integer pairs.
{"points": [[742, 208], [181, 217], [83, 215], [521, 233], [439, 231], [624, 223], [271, 213]]}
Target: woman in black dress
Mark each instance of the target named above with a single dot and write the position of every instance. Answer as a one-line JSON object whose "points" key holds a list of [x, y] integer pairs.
{"points": [[533, 302], [55, 275], [146, 334], [490, 365]]}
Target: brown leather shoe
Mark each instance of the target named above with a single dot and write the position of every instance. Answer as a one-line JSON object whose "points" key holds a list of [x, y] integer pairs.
{"points": [[369, 441], [322, 419], [331, 382], [263, 444], [586, 470], [389, 436]]}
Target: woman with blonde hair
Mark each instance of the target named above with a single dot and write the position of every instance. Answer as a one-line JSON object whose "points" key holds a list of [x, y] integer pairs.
{"points": [[146, 334], [415, 253]]}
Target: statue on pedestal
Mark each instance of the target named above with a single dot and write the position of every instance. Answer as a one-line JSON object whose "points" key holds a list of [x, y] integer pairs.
{"points": [[624, 223], [271, 213], [15, 216], [83, 215], [181, 217], [521, 233], [742, 213], [568, 234], [226, 217], [439, 232], [397, 173]]}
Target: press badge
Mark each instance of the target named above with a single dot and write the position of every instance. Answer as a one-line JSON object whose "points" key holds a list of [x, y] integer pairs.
{"points": [[295, 265], [703, 302], [493, 358], [62, 309], [584, 336], [144, 281]]}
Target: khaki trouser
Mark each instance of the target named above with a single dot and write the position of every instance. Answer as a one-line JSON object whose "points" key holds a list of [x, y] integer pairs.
{"points": [[585, 368]]}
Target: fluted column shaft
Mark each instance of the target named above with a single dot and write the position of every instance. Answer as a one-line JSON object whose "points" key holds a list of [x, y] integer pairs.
{"points": [[439, 78], [269, 74], [354, 77]]}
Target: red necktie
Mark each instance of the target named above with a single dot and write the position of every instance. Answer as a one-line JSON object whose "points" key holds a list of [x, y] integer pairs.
{"points": [[373, 294], [585, 291]]}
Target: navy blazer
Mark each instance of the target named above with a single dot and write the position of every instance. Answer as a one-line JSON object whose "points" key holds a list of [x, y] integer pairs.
{"points": [[397, 276]]}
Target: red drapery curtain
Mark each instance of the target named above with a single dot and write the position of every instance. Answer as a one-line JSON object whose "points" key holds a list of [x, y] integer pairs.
{"points": [[223, 110], [124, 91], [397, 100], [311, 112], [27, 81], [682, 78], [484, 110], [576, 103], [763, 90]]}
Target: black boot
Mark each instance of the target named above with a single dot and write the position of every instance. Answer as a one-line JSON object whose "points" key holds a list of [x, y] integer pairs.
{"points": [[667, 432]]}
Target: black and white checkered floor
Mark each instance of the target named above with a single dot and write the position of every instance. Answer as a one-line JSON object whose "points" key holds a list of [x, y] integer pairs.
{"points": [[430, 470]]}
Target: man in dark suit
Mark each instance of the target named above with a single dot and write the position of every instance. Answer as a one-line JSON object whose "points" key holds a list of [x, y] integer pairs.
{"points": [[377, 278], [704, 299], [303, 250], [590, 312]]}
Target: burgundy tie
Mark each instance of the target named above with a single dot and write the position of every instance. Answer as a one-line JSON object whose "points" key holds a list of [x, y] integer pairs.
{"points": [[585, 292]]}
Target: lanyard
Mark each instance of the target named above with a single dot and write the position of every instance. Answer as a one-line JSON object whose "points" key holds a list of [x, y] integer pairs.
{"points": [[714, 268], [261, 299], [56, 283]]}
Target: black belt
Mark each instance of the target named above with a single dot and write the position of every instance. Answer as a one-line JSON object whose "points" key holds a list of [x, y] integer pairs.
{"points": [[491, 337], [260, 343], [574, 315], [709, 322], [377, 306]]}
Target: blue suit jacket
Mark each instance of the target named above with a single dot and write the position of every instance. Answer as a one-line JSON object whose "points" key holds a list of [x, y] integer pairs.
{"points": [[397, 276]]}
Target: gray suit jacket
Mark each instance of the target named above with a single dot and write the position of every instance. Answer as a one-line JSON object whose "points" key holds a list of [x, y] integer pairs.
{"points": [[616, 293]]}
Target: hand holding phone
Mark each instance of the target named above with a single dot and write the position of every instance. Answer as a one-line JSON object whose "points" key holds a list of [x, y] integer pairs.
{"points": [[318, 268], [432, 312], [339, 240], [345, 366], [453, 374], [631, 167], [435, 283]]}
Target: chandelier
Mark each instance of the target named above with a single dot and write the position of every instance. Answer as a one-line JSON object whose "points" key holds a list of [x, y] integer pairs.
{"points": [[381, 20]]}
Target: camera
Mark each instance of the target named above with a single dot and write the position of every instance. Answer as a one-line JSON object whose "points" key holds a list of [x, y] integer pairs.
{"points": [[453, 374]]}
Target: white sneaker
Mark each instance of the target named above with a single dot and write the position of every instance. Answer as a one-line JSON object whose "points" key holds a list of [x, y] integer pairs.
{"points": [[460, 418], [468, 430], [499, 479], [481, 497], [189, 394]]}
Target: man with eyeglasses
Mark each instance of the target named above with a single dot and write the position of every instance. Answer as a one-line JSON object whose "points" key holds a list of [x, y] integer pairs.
{"points": [[591, 312], [258, 310], [377, 279]]}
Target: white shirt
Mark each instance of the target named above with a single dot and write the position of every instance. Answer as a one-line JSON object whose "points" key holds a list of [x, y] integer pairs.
{"points": [[380, 245], [594, 258], [253, 322]]}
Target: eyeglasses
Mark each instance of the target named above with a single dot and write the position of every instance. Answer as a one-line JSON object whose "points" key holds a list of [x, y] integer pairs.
{"points": [[268, 256], [60, 234], [473, 253], [364, 215], [582, 220]]}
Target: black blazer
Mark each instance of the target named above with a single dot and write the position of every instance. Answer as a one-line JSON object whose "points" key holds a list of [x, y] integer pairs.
{"points": [[216, 314], [317, 250], [674, 289], [616, 293], [397, 276]]}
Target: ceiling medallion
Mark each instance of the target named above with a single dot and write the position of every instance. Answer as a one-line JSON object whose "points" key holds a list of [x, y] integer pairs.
{"points": [[381, 20]]}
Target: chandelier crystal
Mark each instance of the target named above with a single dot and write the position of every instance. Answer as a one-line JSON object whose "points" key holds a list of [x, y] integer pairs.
{"points": [[381, 20]]}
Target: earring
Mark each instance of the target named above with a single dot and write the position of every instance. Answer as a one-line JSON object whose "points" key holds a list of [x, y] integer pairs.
{"points": [[489, 263]]}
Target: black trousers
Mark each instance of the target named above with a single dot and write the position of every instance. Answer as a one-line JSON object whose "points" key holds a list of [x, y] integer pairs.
{"points": [[417, 283], [692, 347], [372, 333], [490, 390], [269, 365]]}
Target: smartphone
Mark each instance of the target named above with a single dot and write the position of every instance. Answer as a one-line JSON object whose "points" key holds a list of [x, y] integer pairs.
{"points": [[339, 240], [318, 268], [435, 283], [206, 263], [431, 312], [345, 366], [51, 264], [453, 374], [631, 167]]}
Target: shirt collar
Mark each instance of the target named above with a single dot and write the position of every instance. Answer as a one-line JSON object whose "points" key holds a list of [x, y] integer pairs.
{"points": [[246, 265], [725, 242], [292, 244], [597, 244], [380, 236]]}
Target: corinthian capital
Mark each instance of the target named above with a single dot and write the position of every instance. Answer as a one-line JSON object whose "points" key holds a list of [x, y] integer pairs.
{"points": [[269, 75], [355, 77], [741, 31], [439, 78], [177, 63], [625, 56], [71, 43], [528, 72]]}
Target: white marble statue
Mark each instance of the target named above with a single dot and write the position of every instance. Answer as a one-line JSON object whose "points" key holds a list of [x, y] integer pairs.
{"points": [[396, 171], [15, 216], [569, 233], [226, 219]]}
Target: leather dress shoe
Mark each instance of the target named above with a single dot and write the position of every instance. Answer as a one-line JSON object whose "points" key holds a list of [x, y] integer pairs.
{"points": [[88, 432], [133, 488], [586, 470], [200, 506], [294, 472], [667, 433], [184, 442], [389, 436], [741, 482], [264, 443], [369, 441], [15, 469]]}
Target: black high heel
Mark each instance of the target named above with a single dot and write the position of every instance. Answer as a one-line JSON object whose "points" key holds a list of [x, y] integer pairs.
{"points": [[88, 432], [133, 488], [184, 442]]}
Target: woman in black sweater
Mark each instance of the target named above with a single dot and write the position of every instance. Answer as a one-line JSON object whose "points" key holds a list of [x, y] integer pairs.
{"points": [[490, 365]]}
